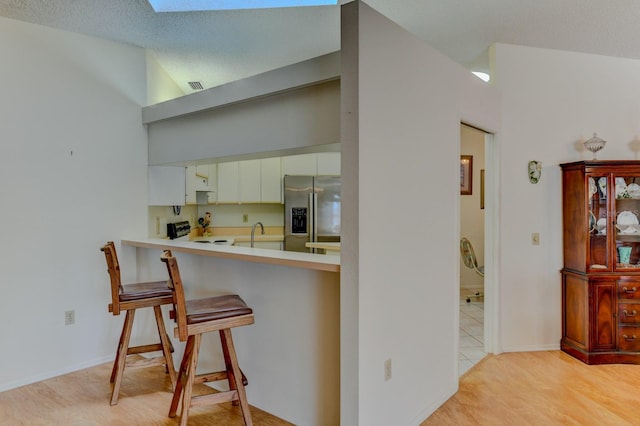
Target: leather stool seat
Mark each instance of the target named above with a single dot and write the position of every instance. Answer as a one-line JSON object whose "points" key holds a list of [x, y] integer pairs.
{"points": [[215, 308], [139, 291]]}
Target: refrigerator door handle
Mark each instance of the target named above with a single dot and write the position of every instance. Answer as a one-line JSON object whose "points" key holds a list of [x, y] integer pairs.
{"points": [[312, 221], [315, 220]]}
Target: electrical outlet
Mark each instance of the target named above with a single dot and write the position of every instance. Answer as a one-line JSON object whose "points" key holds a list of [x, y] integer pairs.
{"points": [[387, 370], [157, 225], [69, 317], [535, 239], [245, 218]]}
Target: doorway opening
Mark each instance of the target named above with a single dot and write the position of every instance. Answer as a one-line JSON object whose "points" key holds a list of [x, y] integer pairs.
{"points": [[474, 247]]}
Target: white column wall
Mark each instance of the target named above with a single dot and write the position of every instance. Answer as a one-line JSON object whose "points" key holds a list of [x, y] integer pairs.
{"points": [[73, 157], [401, 135], [552, 101]]}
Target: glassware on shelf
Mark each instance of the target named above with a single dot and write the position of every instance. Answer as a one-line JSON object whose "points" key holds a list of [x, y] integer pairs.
{"points": [[602, 184], [594, 145]]}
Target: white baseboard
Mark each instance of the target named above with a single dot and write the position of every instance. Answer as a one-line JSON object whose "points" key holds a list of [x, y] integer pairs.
{"points": [[44, 376], [427, 411], [533, 348]]}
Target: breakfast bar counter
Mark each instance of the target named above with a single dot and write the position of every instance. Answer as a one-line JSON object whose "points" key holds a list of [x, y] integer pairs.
{"points": [[276, 257], [291, 354]]}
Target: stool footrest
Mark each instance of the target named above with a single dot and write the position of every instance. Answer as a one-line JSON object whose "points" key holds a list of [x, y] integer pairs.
{"points": [[214, 398], [217, 376], [146, 362], [211, 377], [144, 349]]}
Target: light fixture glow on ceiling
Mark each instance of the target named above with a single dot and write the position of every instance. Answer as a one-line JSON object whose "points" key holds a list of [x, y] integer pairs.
{"points": [[482, 75], [200, 5]]}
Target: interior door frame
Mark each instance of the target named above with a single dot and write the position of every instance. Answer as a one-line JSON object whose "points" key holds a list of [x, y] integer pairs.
{"points": [[491, 244]]}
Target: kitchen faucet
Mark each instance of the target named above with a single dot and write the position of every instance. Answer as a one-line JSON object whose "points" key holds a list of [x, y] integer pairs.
{"points": [[253, 231]]}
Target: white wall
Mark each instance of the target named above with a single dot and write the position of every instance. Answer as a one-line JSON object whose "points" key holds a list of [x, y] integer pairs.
{"points": [[402, 107], [299, 118], [552, 102], [160, 87], [471, 215], [72, 176]]}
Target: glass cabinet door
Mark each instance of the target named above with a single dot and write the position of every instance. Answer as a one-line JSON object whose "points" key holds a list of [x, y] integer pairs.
{"points": [[598, 222], [626, 224]]}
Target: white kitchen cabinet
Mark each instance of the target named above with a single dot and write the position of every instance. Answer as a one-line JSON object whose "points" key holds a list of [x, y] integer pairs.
{"points": [[271, 180], [228, 188], [328, 163], [322, 163], [202, 172], [190, 191], [166, 186], [212, 196], [303, 164], [249, 181], [197, 179]]}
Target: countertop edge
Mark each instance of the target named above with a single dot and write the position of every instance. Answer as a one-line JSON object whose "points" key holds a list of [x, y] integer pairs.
{"points": [[274, 257]]}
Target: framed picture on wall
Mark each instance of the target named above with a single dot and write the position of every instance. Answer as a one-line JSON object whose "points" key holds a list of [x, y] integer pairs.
{"points": [[482, 189], [466, 174]]}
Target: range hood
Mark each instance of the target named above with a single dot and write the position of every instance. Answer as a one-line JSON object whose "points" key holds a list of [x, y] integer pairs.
{"points": [[202, 184], [204, 188]]}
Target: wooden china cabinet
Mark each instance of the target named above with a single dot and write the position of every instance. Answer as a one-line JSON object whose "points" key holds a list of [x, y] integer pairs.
{"points": [[601, 273]]}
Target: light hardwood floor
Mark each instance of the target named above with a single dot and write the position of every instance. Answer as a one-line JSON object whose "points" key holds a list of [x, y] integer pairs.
{"points": [[82, 399], [543, 388], [524, 388]]}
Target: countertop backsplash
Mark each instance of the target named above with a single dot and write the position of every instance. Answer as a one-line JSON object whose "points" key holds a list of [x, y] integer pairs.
{"points": [[224, 215], [159, 216], [233, 214]]}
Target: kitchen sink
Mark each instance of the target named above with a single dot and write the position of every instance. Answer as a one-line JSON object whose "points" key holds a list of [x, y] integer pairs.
{"points": [[218, 242]]}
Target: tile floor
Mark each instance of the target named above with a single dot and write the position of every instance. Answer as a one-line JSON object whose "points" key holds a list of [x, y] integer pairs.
{"points": [[471, 331]]}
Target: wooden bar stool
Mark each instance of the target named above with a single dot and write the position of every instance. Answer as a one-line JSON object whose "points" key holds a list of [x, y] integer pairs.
{"points": [[195, 317], [129, 298]]}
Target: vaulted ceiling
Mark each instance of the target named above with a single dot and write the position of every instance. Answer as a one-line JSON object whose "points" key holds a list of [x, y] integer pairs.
{"points": [[217, 47]]}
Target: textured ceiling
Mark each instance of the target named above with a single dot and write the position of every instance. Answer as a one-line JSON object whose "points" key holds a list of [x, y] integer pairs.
{"points": [[218, 47]]}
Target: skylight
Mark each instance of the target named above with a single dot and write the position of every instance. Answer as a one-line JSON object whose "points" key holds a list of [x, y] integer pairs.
{"points": [[199, 5], [482, 75]]}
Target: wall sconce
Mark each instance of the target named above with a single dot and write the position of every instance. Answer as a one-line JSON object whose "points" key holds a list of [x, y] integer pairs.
{"points": [[535, 171]]}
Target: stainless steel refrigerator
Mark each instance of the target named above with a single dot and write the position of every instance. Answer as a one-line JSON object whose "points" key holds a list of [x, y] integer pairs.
{"points": [[312, 211]]}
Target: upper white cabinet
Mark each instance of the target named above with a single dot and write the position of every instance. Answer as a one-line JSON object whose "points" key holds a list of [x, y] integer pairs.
{"points": [[323, 163], [249, 182], [212, 196], [166, 186], [228, 188], [190, 191], [197, 179], [328, 163], [271, 180], [303, 164]]}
